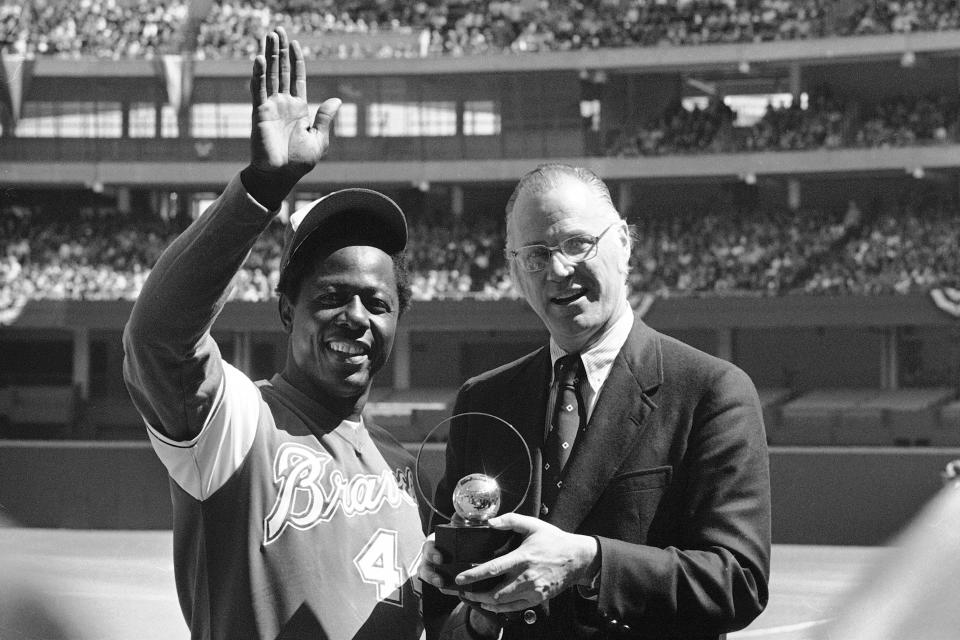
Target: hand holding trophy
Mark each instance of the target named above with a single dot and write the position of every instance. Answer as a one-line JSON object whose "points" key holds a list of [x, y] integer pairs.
{"points": [[468, 541]]}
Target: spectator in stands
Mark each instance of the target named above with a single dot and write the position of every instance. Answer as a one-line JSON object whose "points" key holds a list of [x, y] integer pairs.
{"points": [[690, 251], [108, 28], [288, 501], [660, 522], [102, 28]]}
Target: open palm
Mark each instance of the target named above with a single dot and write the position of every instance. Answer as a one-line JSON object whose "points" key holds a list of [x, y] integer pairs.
{"points": [[284, 142]]}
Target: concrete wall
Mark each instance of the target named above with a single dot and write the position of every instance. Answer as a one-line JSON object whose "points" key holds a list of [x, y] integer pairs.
{"points": [[845, 496]]}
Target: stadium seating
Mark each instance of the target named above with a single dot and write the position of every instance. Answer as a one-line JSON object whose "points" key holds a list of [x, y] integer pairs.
{"points": [[411, 414], [814, 417], [771, 402], [113, 418], [893, 417], [868, 417], [225, 28], [40, 411], [689, 253], [947, 432]]}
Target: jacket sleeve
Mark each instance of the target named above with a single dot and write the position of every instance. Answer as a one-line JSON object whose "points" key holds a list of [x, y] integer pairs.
{"points": [[712, 578], [172, 366]]}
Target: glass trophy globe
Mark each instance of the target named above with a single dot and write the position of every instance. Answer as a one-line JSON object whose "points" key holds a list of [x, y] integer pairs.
{"points": [[476, 498]]}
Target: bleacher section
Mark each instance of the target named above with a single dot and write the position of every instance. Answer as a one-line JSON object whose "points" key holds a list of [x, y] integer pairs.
{"points": [[411, 414], [948, 426], [865, 417], [111, 419], [837, 417], [41, 411]]}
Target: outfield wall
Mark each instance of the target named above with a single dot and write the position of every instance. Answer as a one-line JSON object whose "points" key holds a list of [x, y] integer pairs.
{"points": [[821, 495]]}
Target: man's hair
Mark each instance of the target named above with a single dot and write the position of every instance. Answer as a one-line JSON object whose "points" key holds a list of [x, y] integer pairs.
{"points": [[306, 257], [551, 175]]}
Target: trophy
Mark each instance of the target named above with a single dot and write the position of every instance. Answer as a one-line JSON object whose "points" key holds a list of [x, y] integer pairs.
{"points": [[468, 541]]}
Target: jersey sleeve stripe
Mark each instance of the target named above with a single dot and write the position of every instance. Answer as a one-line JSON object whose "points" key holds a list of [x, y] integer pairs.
{"points": [[204, 464]]}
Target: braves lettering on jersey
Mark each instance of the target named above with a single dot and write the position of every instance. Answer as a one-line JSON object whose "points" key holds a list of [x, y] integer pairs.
{"points": [[290, 524]]}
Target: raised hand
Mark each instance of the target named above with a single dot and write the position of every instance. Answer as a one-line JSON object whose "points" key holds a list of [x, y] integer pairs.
{"points": [[285, 144]]}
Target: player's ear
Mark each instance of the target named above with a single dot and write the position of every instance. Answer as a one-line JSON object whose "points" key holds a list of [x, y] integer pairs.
{"points": [[286, 312]]}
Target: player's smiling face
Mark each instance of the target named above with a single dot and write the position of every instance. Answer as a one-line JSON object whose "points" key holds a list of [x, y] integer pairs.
{"points": [[342, 325], [576, 302]]}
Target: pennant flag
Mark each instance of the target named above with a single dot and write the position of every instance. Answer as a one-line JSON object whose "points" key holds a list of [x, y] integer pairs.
{"points": [[14, 72]]}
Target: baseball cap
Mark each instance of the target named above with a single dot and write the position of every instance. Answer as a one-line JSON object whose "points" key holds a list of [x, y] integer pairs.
{"points": [[364, 214]]}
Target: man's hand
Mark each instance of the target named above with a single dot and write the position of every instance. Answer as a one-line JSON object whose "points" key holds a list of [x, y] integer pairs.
{"points": [[427, 571], [547, 562], [284, 144]]}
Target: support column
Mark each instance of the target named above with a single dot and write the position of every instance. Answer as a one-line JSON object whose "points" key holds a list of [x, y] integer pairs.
{"points": [[242, 350], [456, 201], [625, 198], [793, 194], [890, 360], [81, 361], [725, 343], [401, 359], [123, 200], [795, 79]]}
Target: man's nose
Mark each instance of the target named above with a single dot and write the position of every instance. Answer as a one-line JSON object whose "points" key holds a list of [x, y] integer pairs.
{"points": [[560, 266], [355, 313]]}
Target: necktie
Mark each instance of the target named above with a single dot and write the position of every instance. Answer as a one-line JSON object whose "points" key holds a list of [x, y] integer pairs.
{"points": [[568, 418]]}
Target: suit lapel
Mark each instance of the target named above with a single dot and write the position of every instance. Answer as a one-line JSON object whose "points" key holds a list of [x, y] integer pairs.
{"points": [[618, 419]]}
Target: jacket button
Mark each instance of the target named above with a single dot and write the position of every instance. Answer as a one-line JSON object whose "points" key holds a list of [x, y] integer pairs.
{"points": [[625, 629], [529, 616], [544, 510]]}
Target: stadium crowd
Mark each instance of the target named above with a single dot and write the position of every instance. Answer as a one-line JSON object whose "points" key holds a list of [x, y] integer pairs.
{"points": [[686, 253], [825, 123], [137, 28], [101, 28]]}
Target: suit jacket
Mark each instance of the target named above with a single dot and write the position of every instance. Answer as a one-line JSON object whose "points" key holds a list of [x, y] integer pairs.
{"points": [[671, 475]]}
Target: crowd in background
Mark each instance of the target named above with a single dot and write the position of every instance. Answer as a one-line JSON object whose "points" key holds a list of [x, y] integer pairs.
{"points": [[895, 254], [825, 123], [102, 28], [138, 28], [712, 252], [684, 253]]}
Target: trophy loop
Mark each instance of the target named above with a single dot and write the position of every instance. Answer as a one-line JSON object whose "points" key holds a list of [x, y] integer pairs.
{"points": [[442, 423]]}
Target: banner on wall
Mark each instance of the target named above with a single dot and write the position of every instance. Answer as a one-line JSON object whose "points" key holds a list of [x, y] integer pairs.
{"points": [[947, 300]]}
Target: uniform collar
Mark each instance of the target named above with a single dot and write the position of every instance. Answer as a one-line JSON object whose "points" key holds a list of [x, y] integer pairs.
{"points": [[319, 414]]}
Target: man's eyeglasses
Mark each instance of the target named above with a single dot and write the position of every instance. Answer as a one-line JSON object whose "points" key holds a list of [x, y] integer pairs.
{"points": [[576, 249]]}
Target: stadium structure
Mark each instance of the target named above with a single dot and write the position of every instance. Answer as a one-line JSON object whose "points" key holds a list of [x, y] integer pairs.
{"points": [[859, 388]]}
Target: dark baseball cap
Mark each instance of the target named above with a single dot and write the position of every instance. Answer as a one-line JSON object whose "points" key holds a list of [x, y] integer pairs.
{"points": [[363, 215]]}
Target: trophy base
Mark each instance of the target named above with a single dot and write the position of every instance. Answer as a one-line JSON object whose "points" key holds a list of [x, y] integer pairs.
{"points": [[466, 547]]}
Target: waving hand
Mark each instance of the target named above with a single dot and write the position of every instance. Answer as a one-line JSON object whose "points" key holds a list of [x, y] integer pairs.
{"points": [[285, 144]]}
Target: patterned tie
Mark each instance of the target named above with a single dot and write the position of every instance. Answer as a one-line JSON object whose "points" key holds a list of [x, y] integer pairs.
{"points": [[568, 418]]}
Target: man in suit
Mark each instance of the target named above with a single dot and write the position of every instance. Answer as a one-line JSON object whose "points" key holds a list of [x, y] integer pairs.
{"points": [[652, 518]]}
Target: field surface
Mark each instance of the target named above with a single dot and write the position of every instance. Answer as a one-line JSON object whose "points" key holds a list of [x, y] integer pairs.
{"points": [[120, 585]]}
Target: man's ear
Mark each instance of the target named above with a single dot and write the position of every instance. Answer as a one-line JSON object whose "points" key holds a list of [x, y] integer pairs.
{"points": [[286, 313], [626, 241]]}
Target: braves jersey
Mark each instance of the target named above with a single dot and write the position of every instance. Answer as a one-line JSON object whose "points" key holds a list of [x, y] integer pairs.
{"points": [[289, 523]]}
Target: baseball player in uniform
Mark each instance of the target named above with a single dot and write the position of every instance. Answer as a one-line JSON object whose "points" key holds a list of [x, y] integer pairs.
{"points": [[294, 514]]}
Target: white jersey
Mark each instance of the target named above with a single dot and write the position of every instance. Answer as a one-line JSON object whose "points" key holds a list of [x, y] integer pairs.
{"points": [[291, 524]]}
